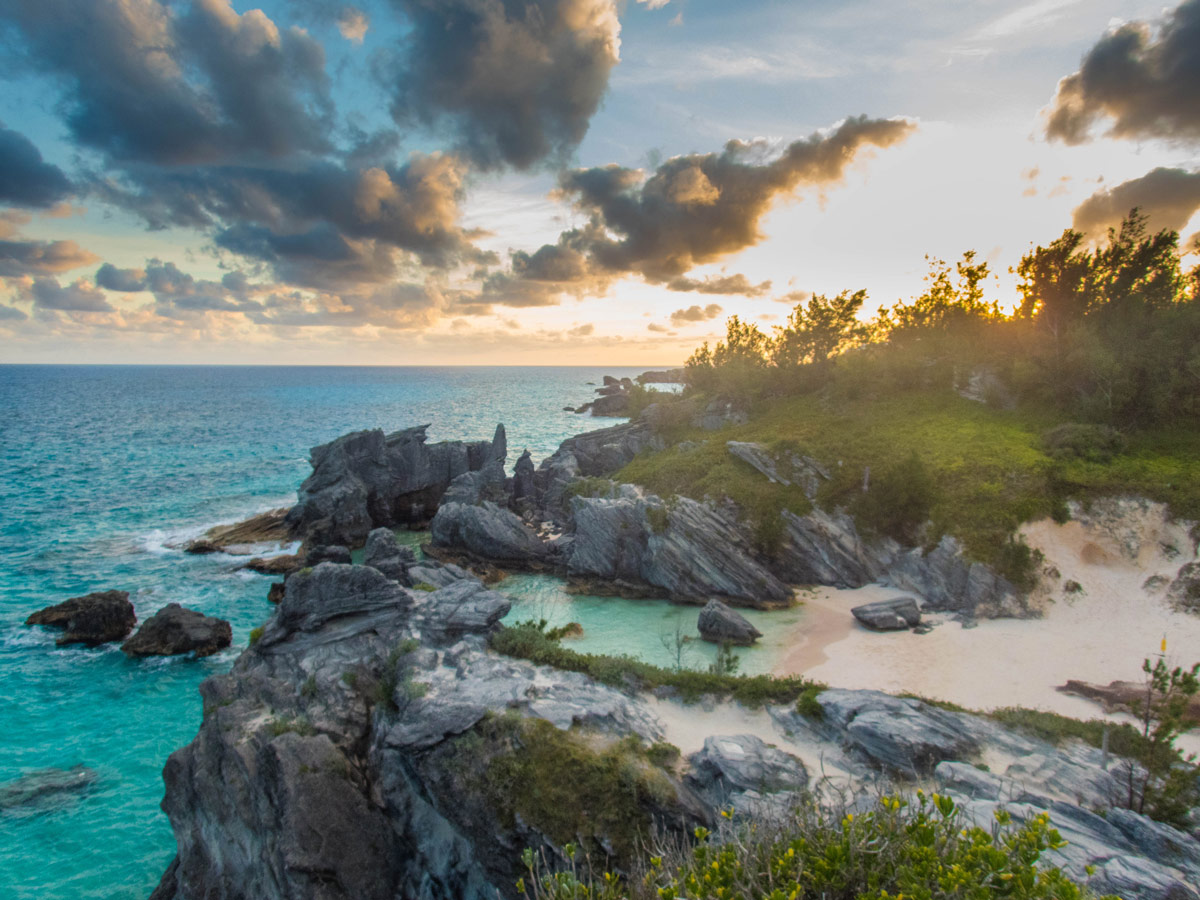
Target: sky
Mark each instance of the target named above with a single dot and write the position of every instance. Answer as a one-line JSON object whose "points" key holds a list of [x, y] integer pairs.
{"points": [[553, 182]]}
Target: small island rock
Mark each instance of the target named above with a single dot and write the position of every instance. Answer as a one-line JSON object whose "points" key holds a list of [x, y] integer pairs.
{"points": [[889, 615], [721, 625], [174, 630], [92, 619]]}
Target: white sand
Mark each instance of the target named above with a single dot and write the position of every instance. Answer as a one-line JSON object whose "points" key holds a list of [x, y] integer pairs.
{"points": [[1098, 635]]}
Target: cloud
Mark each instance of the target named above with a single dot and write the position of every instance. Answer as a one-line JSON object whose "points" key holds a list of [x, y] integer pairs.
{"points": [[25, 178], [659, 329], [79, 296], [19, 258], [125, 281], [582, 330], [660, 227], [1168, 197], [724, 284], [353, 24], [1146, 82], [11, 313], [516, 83], [794, 297], [144, 83], [695, 314]]}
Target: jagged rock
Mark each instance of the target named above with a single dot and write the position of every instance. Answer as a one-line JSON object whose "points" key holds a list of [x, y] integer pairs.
{"points": [[366, 479], [437, 574], [825, 548], [464, 607], [174, 630], [967, 780], [470, 488], [45, 788], [794, 469], [889, 615], [1184, 591], [602, 452], [690, 550], [743, 762], [948, 581], [1159, 841], [721, 625], [898, 733], [524, 484], [312, 598], [488, 531], [334, 553], [275, 591], [385, 553], [613, 405], [284, 564], [265, 528], [92, 619]]}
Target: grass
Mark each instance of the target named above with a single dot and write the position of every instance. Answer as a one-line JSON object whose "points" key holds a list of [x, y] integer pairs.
{"points": [[529, 640], [988, 466], [1123, 740]]}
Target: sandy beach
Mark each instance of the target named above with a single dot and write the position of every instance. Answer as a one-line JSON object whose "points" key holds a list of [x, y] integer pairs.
{"points": [[1100, 633]]}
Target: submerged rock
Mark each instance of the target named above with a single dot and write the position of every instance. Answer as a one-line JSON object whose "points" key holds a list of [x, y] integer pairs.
{"points": [[44, 789], [721, 625], [174, 630], [92, 619], [889, 615]]}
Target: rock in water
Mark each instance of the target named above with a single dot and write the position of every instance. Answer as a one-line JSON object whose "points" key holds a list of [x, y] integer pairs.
{"points": [[889, 615], [93, 619], [265, 528], [174, 630], [43, 788], [721, 625]]}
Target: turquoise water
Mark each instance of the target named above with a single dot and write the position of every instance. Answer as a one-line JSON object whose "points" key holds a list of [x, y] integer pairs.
{"points": [[103, 470]]}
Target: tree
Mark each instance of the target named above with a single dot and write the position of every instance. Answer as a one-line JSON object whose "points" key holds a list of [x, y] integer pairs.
{"points": [[1055, 284], [816, 332], [945, 305], [1161, 785], [1136, 272]]}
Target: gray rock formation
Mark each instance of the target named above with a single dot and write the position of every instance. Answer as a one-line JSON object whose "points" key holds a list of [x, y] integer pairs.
{"points": [[265, 528], [174, 630], [721, 625], [488, 531], [690, 551], [1184, 591], [786, 469], [92, 619], [385, 553], [524, 484], [45, 790], [370, 746], [889, 615], [366, 479], [334, 553]]}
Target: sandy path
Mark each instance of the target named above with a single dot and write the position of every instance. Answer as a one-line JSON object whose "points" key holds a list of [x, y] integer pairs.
{"points": [[1100, 634]]}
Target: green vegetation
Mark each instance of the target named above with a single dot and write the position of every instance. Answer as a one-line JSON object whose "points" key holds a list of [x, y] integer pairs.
{"points": [[396, 676], [424, 586], [1165, 788], [298, 724], [1091, 389], [530, 640], [573, 786], [807, 705], [255, 635], [901, 848]]}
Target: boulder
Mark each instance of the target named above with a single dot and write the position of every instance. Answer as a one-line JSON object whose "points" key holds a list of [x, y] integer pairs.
{"points": [[330, 591], [385, 553], [1184, 591], [334, 553], [174, 630], [284, 564], [92, 619], [461, 608], [524, 483], [889, 615], [487, 531], [367, 479], [743, 762], [721, 625]]}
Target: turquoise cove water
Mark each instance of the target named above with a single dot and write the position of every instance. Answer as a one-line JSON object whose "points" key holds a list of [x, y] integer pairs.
{"points": [[104, 471]]}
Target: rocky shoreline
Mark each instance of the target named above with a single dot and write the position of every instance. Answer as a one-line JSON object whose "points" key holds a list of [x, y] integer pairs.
{"points": [[370, 743]]}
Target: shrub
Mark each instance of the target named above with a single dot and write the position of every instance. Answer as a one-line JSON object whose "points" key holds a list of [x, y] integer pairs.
{"points": [[897, 501], [807, 705], [1018, 562], [1074, 440], [659, 518], [901, 848], [424, 586], [255, 635]]}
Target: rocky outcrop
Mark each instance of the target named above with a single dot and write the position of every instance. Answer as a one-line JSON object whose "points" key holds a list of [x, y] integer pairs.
{"points": [[367, 479], [661, 376], [370, 746], [688, 550], [786, 469], [1184, 591], [334, 553], [722, 625], [385, 553], [92, 619], [174, 630], [283, 564], [488, 531], [889, 615], [265, 528]]}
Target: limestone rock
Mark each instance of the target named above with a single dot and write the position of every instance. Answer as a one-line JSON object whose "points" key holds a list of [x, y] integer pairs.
{"points": [[174, 630], [92, 619], [721, 625], [265, 528], [889, 615], [743, 762], [385, 553], [312, 598], [334, 553], [488, 531]]}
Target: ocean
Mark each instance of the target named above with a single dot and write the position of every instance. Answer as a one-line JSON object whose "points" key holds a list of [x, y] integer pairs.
{"points": [[106, 470]]}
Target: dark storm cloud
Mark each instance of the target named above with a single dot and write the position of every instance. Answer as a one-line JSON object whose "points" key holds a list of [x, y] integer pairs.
{"points": [[695, 314], [1146, 82], [693, 209], [142, 82], [724, 284], [19, 257], [1168, 197], [25, 178], [516, 80], [80, 296], [126, 281]]}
